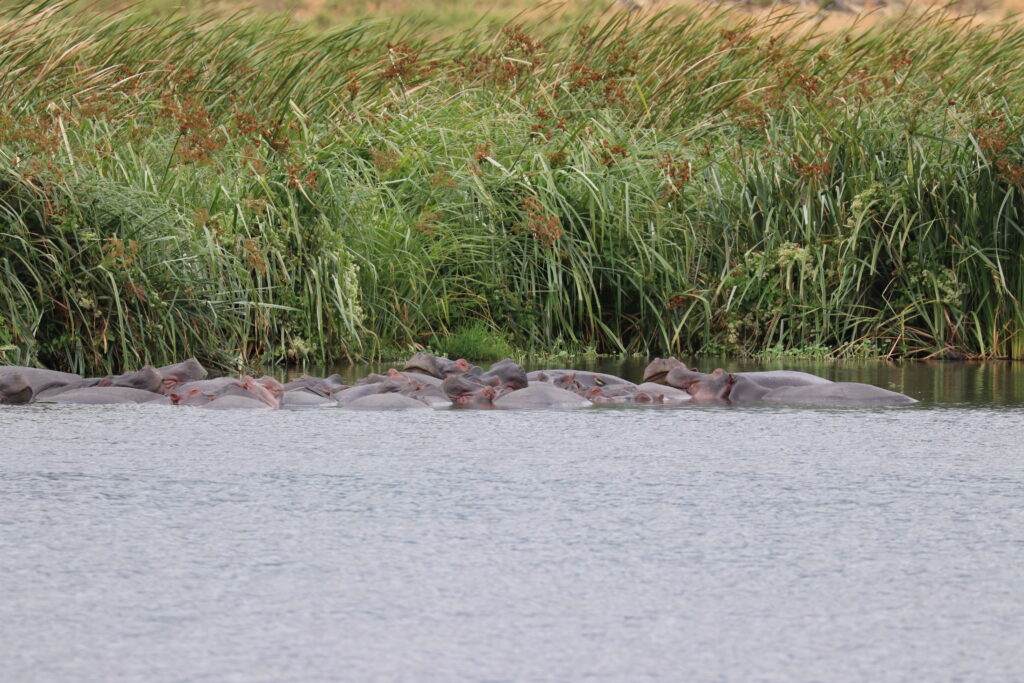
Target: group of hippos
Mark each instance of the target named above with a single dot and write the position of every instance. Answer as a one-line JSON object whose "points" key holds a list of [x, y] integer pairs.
{"points": [[427, 381]]}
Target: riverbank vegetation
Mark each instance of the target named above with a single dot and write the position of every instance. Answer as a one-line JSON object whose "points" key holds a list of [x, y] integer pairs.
{"points": [[249, 190]]}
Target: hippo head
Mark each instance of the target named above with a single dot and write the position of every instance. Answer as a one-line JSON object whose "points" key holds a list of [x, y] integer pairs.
{"points": [[273, 389], [426, 363], [712, 387], [482, 398], [508, 373], [460, 385], [194, 396], [658, 368], [14, 389], [174, 376]]}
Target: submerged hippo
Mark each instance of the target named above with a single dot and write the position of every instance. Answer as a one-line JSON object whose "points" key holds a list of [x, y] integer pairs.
{"points": [[658, 369], [235, 402], [147, 379], [41, 380], [14, 388], [713, 386], [437, 366], [304, 398], [773, 379], [181, 373], [108, 396], [322, 386], [539, 396], [838, 394], [390, 402]]}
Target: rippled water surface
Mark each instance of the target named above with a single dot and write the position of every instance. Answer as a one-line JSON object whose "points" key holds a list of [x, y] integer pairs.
{"points": [[155, 544]]}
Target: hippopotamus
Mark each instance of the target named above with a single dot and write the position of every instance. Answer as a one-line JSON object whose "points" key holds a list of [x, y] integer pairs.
{"points": [[582, 383], [305, 398], [714, 386], [837, 394], [426, 380], [584, 378], [658, 368], [437, 366], [746, 390], [147, 379], [506, 373], [235, 402], [664, 394], [388, 401], [773, 379], [206, 386], [467, 391], [388, 386], [14, 388], [41, 380], [321, 386], [47, 395], [268, 389], [265, 389], [180, 373], [475, 389], [407, 384], [539, 396], [108, 396], [431, 396]]}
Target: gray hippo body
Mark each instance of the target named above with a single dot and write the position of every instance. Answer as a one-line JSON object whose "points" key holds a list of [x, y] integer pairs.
{"points": [[323, 386], [540, 396], [838, 394], [47, 395], [387, 402], [773, 379], [305, 398], [41, 380], [346, 396], [146, 379], [108, 396], [431, 396], [235, 402]]}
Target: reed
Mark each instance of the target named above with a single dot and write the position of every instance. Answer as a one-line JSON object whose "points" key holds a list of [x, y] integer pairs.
{"points": [[250, 190]]}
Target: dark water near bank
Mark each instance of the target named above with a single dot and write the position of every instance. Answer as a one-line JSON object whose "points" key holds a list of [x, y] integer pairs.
{"points": [[607, 544]]}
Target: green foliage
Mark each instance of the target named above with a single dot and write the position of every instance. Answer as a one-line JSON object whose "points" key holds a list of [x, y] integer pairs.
{"points": [[476, 342], [247, 190]]}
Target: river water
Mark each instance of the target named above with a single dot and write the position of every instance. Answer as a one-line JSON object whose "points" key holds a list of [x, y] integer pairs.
{"points": [[693, 544]]}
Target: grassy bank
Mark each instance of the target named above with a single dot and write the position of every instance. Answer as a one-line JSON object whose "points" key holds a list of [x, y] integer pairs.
{"points": [[248, 190]]}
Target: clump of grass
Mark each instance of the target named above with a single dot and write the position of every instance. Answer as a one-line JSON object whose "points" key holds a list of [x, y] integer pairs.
{"points": [[476, 342], [248, 190]]}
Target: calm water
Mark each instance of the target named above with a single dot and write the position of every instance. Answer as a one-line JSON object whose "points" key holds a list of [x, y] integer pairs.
{"points": [[703, 544]]}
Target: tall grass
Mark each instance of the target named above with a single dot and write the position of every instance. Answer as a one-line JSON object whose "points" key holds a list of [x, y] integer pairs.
{"points": [[248, 190]]}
